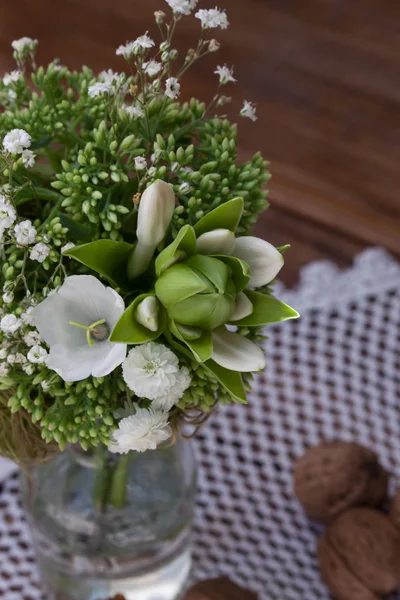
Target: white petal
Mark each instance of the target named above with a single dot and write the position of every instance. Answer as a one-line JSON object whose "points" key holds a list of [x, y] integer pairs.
{"points": [[264, 259], [147, 313], [98, 360], [235, 352], [243, 307], [156, 209], [111, 360], [218, 241]]}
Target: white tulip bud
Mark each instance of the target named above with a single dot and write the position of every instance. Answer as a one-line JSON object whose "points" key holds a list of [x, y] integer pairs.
{"points": [[156, 209], [243, 307], [264, 260], [147, 313], [218, 241], [235, 352]]}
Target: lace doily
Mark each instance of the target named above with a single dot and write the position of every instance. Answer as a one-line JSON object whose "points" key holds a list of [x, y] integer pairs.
{"points": [[334, 373]]}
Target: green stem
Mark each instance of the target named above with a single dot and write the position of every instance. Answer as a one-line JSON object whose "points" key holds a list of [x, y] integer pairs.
{"points": [[102, 479], [118, 492]]}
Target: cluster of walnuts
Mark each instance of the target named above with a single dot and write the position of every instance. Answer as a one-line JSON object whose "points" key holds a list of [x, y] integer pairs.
{"points": [[343, 485]]}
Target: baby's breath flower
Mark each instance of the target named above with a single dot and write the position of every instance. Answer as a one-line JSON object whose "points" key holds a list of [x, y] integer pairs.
{"points": [[144, 42], [249, 110], [135, 112], [11, 77], [183, 7], [212, 18], [28, 158], [37, 355], [16, 140], [152, 68], [7, 214], [12, 94], [144, 430], [27, 316], [159, 16], [99, 88], [28, 368], [24, 44], [4, 369], [223, 100], [46, 385], [67, 247], [10, 323], [39, 252], [225, 74], [8, 297], [214, 45], [125, 50], [11, 359], [25, 233], [140, 163], [3, 353], [19, 359], [109, 77], [33, 338], [172, 88]]}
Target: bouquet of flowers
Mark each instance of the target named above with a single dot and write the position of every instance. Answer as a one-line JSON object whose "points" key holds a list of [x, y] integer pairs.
{"points": [[133, 297]]}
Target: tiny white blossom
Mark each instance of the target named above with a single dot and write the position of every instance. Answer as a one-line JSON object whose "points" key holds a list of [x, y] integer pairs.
{"points": [[7, 214], [25, 233], [249, 111], [152, 68], [28, 368], [172, 88], [126, 50], [4, 369], [33, 338], [183, 7], [212, 18], [10, 324], [109, 77], [24, 44], [11, 359], [67, 247], [37, 355], [144, 430], [28, 158], [12, 94], [11, 77], [140, 163], [144, 42], [19, 359], [225, 74], [39, 252], [99, 88], [3, 353], [8, 297], [27, 316], [135, 112], [16, 140]]}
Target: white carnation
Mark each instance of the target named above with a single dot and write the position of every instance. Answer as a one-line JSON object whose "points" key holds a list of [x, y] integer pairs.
{"points": [[16, 140], [144, 430], [167, 401], [25, 233]]}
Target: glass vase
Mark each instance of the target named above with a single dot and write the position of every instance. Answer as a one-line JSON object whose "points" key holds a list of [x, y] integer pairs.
{"points": [[104, 525]]}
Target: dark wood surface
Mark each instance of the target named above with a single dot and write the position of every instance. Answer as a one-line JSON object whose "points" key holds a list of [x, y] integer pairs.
{"points": [[325, 75]]}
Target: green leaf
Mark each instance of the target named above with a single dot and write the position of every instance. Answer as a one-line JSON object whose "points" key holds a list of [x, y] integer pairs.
{"points": [[184, 245], [282, 249], [225, 216], [129, 331], [178, 283], [266, 309], [106, 257], [78, 232], [240, 271], [201, 347], [230, 380], [215, 270]]}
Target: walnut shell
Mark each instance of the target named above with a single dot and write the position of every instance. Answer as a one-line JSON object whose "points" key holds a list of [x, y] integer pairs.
{"points": [[360, 550], [335, 476], [395, 509]]}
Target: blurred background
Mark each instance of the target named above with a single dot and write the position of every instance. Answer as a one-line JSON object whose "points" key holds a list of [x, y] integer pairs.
{"points": [[325, 77]]}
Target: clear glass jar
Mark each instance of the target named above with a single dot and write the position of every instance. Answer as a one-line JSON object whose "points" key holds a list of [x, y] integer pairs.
{"points": [[118, 525]]}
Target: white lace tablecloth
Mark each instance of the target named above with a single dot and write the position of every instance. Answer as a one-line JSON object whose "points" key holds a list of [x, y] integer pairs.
{"points": [[335, 373]]}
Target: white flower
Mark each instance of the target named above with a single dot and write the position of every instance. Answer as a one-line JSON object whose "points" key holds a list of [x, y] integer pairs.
{"points": [[11, 77], [126, 50], [19, 359], [28, 368], [3, 353], [39, 252], [16, 140], [184, 7], [37, 355], [217, 241], [249, 111], [152, 68], [135, 112], [144, 42], [28, 158], [140, 163], [172, 87], [27, 316], [99, 88], [109, 77], [8, 297], [11, 359], [150, 370], [7, 214], [46, 385], [76, 323], [12, 94], [33, 338], [184, 188], [24, 44], [67, 247], [144, 430], [4, 369], [10, 324], [225, 74], [212, 18], [264, 260], [167, 401], [25, 233]]}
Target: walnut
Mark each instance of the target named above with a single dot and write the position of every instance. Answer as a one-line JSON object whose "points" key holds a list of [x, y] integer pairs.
{"points": [[395, 509], [335, 476], [359, 555]]}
